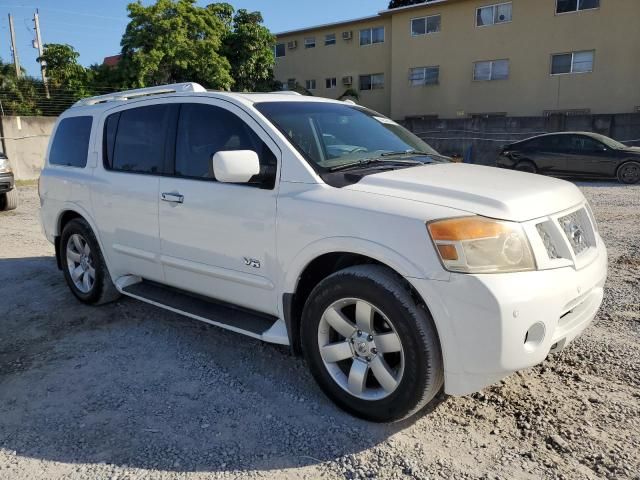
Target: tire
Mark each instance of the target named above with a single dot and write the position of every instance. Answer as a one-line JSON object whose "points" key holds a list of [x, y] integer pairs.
{"points": [[9, 200], [526, 166], [80, 252], [629, 173], [414, 369]]}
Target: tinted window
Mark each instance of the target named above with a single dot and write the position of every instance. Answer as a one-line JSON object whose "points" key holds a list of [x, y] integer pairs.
{"points": [[204, 130], [586, 144], [70, 145], [135, 139]]}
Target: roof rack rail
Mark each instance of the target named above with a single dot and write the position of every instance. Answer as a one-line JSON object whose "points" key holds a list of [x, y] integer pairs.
{"points": [[141, 92], [286, 92]]}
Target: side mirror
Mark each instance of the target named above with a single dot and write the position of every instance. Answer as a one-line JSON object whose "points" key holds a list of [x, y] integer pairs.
{"points": [[237, 166]]}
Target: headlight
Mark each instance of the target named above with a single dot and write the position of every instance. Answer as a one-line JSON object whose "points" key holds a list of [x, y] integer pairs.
{"points": [[5, 167], [481, 245]]}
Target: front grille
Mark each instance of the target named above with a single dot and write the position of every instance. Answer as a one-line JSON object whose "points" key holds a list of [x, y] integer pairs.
{"points": [[578, 230]]}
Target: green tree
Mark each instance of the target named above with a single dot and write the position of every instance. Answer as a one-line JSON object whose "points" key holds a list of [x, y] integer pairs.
{"points": [[18, 96], [64, 72], [249, 49], [175, 41]]}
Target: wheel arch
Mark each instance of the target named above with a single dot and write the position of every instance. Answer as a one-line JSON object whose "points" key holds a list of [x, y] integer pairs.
{"points": [[624, 162], [67, 214]]}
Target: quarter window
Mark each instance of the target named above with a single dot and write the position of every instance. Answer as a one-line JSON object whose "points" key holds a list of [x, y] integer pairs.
{"points": [[372, 82], [371, 36], [331, 82], [135, 139], [330, 39], [310, 84], [493, 14], [425, 25], [491, 70], [566, 6], [424, 76], [204, 130], [280, 50], [310, 42], [575, 62], [70, 145]]}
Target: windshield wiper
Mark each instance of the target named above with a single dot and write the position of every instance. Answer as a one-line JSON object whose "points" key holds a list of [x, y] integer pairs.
{"points": [[370, 161], [404, 152]]}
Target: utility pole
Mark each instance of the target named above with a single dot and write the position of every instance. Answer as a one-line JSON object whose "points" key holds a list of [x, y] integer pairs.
{"points": [[14, 50], [43, 65]]}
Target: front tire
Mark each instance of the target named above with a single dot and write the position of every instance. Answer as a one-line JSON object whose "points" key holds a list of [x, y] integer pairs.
{"points": [[9, 200], [83, 265], [372, 349], [629, 173]]}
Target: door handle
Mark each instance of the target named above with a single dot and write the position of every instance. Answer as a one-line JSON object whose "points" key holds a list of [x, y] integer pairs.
{"points": [[172, 197]]}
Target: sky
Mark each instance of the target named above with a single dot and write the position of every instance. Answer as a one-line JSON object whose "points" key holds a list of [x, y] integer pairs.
{"points": [[94, 27]]}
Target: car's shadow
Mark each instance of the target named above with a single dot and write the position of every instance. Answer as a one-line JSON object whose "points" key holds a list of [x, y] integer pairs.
{"points": [[130, 384]]}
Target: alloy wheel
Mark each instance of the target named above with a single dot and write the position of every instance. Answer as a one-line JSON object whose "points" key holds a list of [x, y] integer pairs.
{"points": [[361, 349], [80, 263]]}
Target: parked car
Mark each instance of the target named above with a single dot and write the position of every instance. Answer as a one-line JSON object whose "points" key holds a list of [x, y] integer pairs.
{"points": [[8, 193], [574, 154], [324, 226]]}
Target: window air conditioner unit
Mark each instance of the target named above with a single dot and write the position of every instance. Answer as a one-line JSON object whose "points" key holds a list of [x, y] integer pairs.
{"points": [[347, 80], [347, 35], [292, 44]]}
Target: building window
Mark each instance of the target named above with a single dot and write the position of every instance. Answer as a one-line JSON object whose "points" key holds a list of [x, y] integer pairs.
{"points": [[372, 82], [330, 39], [575, 62], [424, 76], [493, 14], [331, 82], [369, 36], [310, 84], [567, 6], [310, 42], [291, 84], [425, 25], [280, 50], [491, 70]]}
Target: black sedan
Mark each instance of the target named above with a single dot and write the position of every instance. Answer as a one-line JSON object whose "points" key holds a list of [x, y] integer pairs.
{"points": [[574, 154]]}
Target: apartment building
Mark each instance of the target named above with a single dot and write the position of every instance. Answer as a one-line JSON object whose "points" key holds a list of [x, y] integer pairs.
{"points": [[461, 58]]}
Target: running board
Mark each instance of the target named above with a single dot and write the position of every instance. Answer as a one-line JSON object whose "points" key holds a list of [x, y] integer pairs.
{"points": [[263, 327]]}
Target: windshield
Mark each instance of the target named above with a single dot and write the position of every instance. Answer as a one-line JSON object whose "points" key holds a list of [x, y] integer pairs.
{"points": [[332, 135], [609, 142]]}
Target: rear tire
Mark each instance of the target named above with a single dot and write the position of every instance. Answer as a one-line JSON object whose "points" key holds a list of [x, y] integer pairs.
{"points": [[385, 372], [629, 173], [526, 166], [9, 200], [83, 265]]}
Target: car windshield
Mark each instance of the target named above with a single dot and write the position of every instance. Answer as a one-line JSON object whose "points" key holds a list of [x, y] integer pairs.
{"points": [[333, 135], [609, 142]]}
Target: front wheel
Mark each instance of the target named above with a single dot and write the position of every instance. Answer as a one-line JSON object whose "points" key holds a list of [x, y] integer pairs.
{"points": [[372, 349], [629, 173]]}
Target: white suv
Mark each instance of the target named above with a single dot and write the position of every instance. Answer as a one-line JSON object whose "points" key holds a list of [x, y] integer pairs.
{"points": [[324, 226]]}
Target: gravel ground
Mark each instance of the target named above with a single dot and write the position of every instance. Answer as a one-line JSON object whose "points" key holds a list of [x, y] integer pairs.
{"points": [[129, 391]]}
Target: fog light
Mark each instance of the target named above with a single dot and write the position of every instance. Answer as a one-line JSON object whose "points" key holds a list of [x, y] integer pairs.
{"points": [[535, 336]]}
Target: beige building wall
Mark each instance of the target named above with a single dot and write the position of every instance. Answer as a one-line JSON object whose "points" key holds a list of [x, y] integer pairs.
{"points": [[528, 41], [345, 58]]}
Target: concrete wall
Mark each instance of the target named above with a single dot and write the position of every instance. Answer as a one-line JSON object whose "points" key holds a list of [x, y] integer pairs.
{"points": [[25, 143], [480, 140]]}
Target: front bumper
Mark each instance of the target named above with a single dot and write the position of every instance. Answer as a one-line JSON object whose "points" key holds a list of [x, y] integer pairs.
{"points": [[493, 325], [6, 182]]}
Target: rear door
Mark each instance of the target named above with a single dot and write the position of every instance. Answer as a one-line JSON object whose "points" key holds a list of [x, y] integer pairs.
{"points": [[218, 239], [548, 153], [125, 199]]}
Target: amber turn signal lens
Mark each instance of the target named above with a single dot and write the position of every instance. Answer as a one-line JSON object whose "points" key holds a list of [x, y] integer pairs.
{"points": [[468, 228], [448, 252]]}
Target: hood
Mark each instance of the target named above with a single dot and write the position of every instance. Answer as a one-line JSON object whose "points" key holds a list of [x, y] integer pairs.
{"points": [[487, 191]]}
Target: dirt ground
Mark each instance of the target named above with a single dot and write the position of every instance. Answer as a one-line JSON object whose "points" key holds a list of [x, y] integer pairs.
{"points": [[129, 391]]}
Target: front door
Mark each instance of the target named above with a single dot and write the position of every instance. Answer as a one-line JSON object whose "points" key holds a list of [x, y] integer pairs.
{"points": [[589, 157], [218, 239]]}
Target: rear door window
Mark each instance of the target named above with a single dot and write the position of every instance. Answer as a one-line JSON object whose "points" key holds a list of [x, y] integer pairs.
{"points": [[134, 139], [70, 145], [204, 130]]}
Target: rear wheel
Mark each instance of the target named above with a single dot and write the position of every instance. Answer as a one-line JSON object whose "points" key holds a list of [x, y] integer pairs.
{"points": [[629, 173], [83, 265], [526, 166], [9, 200], [372, 349]]}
